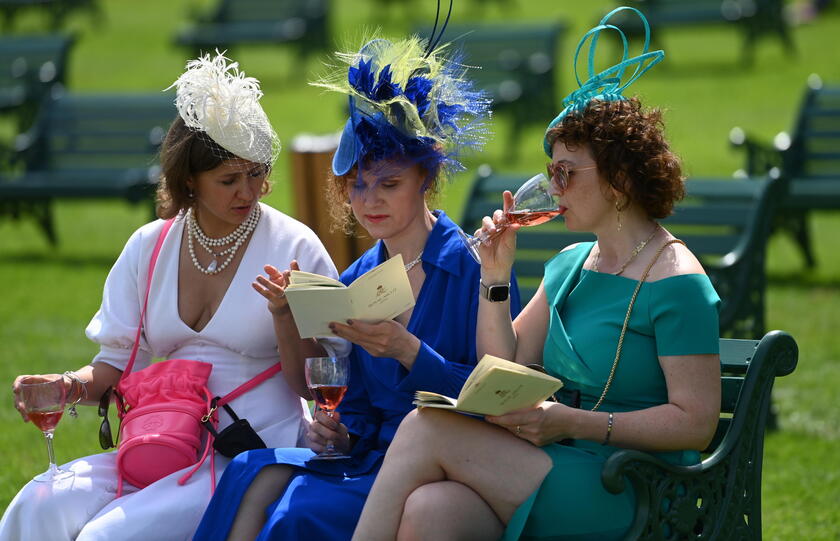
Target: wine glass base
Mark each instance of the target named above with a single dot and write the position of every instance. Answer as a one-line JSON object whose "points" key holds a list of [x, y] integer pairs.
{"points": [[471, 245], [50, 476]]}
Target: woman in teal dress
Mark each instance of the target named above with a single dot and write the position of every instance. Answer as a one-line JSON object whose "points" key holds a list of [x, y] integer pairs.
{"points": [[535, 473]]}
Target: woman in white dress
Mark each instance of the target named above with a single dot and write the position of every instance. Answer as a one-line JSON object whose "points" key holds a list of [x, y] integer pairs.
{"points": [[202, 306]]}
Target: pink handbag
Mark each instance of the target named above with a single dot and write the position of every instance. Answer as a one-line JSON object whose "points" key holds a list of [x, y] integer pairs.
{"points": [[161, 409]]}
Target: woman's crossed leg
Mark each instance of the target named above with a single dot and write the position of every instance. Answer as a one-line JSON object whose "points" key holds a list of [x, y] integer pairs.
{"points": [[448, 476]]}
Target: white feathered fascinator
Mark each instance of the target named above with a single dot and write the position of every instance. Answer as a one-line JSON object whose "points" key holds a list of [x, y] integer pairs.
{"points": [[217, 99]]}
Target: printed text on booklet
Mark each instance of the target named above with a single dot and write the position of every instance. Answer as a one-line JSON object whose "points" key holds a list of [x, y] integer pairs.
{"points": [[383, 292]]}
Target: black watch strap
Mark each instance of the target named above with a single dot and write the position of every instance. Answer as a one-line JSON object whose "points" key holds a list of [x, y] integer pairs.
{"points": [[496, 292]]}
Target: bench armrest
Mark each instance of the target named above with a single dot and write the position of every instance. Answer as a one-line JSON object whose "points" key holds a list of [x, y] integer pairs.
{"points": [[621, 463], [761, 157]]}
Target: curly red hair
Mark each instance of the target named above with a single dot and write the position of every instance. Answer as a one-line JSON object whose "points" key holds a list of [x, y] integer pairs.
{"points": [[629, 147]]}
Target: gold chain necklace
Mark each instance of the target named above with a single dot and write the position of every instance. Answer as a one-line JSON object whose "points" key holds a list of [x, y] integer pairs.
{"points": [[636, 251]]}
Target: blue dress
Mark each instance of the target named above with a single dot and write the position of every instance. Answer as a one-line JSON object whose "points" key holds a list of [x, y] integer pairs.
{"points": [[673, 316], [324, 499]]}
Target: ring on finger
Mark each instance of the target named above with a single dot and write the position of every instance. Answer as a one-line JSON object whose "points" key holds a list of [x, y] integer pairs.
{"points": [[518, 430]]}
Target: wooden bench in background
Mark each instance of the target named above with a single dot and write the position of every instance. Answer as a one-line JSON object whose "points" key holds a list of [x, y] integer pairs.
{"points": [[29, 67], [516, 65], [726, 223], [302, 23], [57, 11], [809, 160], [719, 498], [86, 146], [754, 18]]}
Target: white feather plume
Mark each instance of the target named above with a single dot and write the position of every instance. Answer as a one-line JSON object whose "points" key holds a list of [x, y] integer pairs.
{"points": [[213, 96]]}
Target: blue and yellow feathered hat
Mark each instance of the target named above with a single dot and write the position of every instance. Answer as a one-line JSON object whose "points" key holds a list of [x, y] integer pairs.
{"points": [[407, 99], [606, 85]]}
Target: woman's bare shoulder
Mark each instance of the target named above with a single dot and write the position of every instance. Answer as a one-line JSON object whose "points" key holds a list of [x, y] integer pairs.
{"points": [[676, 260], [571, 247]]}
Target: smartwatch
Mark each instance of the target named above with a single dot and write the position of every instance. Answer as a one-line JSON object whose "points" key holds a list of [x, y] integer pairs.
{"points": [[495, 293]]}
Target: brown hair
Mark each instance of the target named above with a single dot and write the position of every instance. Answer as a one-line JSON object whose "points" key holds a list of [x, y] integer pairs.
{"points": [[629, 147], [184, 153], [338, 198]]}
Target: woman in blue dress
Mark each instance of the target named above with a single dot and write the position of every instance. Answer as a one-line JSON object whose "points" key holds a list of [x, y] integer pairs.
{"points": [[535, 473], [411, 113]]}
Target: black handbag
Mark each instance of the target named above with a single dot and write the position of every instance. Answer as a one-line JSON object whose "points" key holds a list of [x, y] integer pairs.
{"points": [[237, 437]]}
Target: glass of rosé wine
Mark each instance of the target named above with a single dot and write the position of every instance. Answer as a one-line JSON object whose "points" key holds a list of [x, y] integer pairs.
{"points": [[327, 378], [43, 400], [534, 203]]}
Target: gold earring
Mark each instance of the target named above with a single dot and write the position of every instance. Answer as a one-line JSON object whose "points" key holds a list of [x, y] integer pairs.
{"points": [[618, 214]]}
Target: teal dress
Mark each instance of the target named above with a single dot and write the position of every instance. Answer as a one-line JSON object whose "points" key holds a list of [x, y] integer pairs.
{"points": [[673, 316]]}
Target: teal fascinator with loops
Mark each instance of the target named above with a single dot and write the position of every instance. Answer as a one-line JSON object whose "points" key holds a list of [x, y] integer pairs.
{"points": [[609, 84]]}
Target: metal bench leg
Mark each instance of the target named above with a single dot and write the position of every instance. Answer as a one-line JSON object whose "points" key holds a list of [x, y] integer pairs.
{"points": [[43, 213], [514, 137], [798, 226]]}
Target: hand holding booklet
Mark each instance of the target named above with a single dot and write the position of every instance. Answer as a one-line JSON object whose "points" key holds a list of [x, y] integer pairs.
{"points": [[381, 293], [495, 387]]}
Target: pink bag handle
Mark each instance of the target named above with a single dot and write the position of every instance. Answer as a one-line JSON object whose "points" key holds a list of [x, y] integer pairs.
{"points": [[167, 225], [245, 387]]}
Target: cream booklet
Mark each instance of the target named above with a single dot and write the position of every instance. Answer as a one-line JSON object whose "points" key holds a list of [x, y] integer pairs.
{"points": [[495, 387], [383, 292]]}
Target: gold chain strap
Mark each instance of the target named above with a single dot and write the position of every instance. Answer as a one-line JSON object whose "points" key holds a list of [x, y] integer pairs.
{"points": [[627, 319]]}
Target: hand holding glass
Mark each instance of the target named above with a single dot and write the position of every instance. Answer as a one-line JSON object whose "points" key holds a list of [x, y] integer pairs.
{"points": [[327, 378], [534, 203], [43, 400]]}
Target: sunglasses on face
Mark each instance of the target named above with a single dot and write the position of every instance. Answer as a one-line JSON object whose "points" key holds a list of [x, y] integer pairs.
{"points": [[106, 440], [559, 174]]}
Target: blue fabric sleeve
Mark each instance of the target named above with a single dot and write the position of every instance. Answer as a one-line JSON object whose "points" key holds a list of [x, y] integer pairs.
{"points": [[357, 412], [431, 372], [684, 312]]}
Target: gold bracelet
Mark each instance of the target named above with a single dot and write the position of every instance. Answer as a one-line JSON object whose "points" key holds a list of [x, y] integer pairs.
{"points": [[610, 420]]}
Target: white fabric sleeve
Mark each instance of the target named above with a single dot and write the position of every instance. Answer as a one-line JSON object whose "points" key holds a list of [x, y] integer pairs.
{"points": [[114, 325]]}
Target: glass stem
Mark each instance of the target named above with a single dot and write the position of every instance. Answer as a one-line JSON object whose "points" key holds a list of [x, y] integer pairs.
{"points": [[330, 444], [481, 237], [49, 436]]}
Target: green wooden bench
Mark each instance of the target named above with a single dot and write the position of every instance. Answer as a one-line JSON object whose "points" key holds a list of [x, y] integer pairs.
{"points": [[726, 223], [29, 66], [56, 10], [302, 23], [86, 146], [753, 17], [516, 66], [809, 159], [719, 498]]}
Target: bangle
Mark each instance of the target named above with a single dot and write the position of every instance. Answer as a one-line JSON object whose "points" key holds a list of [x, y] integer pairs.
{"points": [[77, 386], [610, 420]]}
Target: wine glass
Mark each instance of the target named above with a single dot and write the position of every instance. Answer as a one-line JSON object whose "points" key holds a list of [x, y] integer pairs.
{"points": [[43, 400], [327, 378], [534, 203]]}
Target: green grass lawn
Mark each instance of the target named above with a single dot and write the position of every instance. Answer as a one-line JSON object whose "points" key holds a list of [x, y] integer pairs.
{"points": [[49, 294]]}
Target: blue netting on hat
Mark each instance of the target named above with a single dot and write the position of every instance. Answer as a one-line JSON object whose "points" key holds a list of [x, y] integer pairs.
{"points": [[407, 103]]}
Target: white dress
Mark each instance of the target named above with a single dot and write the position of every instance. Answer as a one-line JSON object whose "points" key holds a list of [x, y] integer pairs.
{"points": [[239, 341]]}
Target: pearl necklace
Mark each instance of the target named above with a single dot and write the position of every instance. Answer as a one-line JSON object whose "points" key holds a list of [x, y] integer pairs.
{"points": [[238, 237], [636, 251]]}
